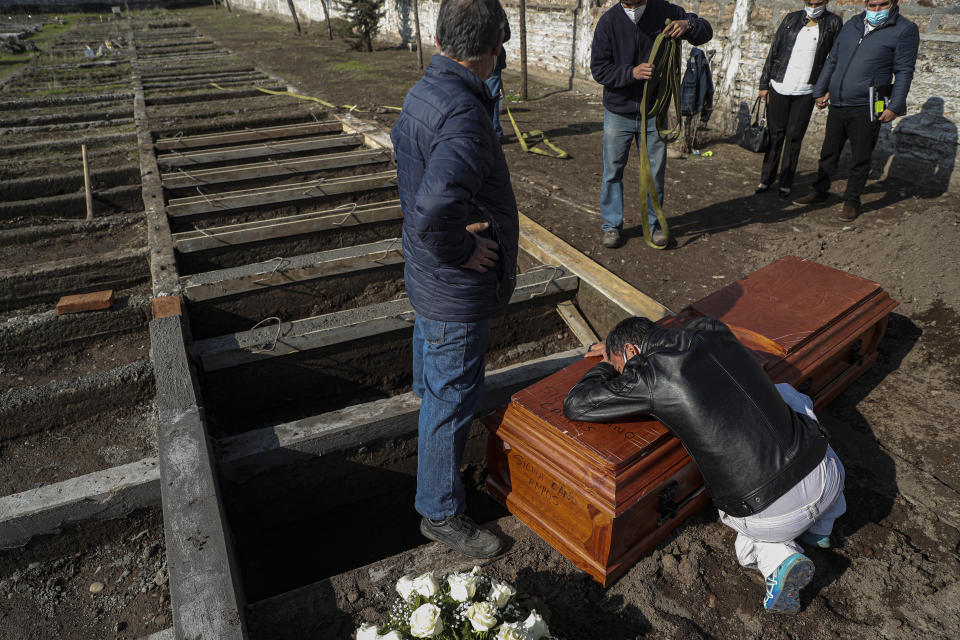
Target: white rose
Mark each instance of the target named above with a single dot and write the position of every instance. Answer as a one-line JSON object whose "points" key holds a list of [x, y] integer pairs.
{"points": [[426, 585], [463, 586], [482, 615], [367, 632], [500, 593], [393, 635], [535, 627], [425, 622], [405, 587], [511, 631]]}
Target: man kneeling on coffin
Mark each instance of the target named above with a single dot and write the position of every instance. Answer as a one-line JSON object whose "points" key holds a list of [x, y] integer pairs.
{"points": [[763, 456]]}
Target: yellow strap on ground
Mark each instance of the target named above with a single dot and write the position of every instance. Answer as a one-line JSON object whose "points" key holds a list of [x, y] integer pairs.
{"points": [[533, 138], [329, 105], [666, 77]]}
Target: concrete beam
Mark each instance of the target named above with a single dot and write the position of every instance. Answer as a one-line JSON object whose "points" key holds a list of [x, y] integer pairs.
{"points": [[257, 150], [213, 94], [67, 116], [244, 456], [28, 410], [238, 234], [110, 200], [279, 195], [48, 281], [163, 263], [282, 271], [284, 168], [245, 135], [39, 332], [13, 150], [205, 591], [102, 495], [344, 326]]}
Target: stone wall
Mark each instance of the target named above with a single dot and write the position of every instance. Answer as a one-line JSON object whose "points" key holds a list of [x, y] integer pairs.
{"points": [[921, 147]]}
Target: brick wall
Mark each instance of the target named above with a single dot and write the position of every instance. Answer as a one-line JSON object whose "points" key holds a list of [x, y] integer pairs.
{"points": [[921, 147]]}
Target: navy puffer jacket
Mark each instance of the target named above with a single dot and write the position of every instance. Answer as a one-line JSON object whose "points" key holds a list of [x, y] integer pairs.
{"points": [[858, 62], [451, 172]]}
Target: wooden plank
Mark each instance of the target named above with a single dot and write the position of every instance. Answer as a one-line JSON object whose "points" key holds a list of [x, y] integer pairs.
{"points": [[286, 338], [576, 322], [237, 234], [185, 179], [244, 135], [549, 249], [282, 271], [258, 150], [278, 195]]}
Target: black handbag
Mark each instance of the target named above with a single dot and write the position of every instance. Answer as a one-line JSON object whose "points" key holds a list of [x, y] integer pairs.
{"points": [[753, 134]]}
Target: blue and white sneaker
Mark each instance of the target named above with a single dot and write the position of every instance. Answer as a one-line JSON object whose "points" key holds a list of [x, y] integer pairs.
{"points": [[783, 586], [815, 539]]}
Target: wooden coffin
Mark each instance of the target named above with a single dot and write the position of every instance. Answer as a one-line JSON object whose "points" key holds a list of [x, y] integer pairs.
{"points": [[603, 495]]}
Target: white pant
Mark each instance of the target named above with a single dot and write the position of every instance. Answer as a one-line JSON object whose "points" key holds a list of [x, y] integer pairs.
{"points": [[766, 539]]}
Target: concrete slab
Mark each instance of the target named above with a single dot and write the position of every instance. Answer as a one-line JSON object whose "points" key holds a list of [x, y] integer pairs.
{"points": [[284, 338], [281, 271], [347, 215]]}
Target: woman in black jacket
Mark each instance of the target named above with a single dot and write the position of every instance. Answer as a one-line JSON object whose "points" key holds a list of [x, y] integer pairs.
{"points": [[799, 49]]}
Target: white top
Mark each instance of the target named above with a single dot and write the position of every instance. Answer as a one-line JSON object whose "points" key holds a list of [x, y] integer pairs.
{"points": [[796, 80]]}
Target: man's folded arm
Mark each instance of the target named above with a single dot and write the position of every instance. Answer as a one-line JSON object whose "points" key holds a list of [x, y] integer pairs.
{"points": [[603, 395]]}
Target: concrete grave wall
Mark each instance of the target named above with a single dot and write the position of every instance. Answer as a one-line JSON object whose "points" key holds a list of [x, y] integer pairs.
{"points": [[921, 147]]}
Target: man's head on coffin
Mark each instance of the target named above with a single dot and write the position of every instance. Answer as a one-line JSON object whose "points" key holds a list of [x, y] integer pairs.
{"points": [[623, 341]]}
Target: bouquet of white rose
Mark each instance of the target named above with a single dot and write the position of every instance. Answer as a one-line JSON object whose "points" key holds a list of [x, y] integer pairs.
{"points": [[459, 606]]}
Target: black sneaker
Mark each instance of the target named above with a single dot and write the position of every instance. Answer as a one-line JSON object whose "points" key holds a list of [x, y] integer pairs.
{"points": [[462, 534]]}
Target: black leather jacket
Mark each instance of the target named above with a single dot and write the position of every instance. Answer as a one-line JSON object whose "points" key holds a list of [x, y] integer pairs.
{"points": [[782, 46], [710, 392]]}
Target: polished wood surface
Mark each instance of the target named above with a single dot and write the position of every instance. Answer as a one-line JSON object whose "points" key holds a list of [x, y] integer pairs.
{"points": [[605, 494]]}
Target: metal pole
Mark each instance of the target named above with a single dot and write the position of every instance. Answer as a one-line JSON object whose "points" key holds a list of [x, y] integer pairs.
{"points": [[86, 182], [523, 49], [416, 24]]}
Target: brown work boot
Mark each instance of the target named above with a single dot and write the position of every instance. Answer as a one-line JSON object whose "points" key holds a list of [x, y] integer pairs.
{"points": [[811, 198], [849, 211]]}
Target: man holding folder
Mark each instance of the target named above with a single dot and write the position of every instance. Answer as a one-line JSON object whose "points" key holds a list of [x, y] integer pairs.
{"points": [[865, 81]]}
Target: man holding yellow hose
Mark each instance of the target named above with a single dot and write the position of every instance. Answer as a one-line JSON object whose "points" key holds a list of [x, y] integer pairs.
{"points": [[622, 43]]}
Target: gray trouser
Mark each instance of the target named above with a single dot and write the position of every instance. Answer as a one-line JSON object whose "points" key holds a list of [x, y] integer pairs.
{"points": [[766, 539]]}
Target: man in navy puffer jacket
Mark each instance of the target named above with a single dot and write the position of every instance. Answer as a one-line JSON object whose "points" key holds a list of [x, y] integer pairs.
{"points": [[872, 49], [460, 237]]}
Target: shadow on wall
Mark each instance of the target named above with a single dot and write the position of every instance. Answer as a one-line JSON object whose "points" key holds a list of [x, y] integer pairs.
{"points": [[922, 149]]}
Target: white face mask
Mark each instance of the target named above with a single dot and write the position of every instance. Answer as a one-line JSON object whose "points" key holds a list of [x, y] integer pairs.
{"points": [[815, 12], [634, 14]]}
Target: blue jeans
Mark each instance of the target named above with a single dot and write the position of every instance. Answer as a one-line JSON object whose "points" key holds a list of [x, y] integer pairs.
{"points": [[448, 365], [495, 84], [619, 133]]}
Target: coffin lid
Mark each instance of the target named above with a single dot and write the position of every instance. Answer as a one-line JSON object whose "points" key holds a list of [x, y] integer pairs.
{"points": [[774, 312], [784, 305]]}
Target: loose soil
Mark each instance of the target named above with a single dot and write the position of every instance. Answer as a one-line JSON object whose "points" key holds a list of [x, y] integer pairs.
{"points": [[894, 570], [45, 587], [109, 439]]}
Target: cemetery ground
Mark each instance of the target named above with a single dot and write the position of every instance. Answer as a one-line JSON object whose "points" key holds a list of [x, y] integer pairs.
{"points": [[895, 565]]}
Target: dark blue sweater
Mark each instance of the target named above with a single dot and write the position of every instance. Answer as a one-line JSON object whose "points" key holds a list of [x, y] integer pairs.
{"points": [[619, 45], [858, 62], [451, 172]]}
